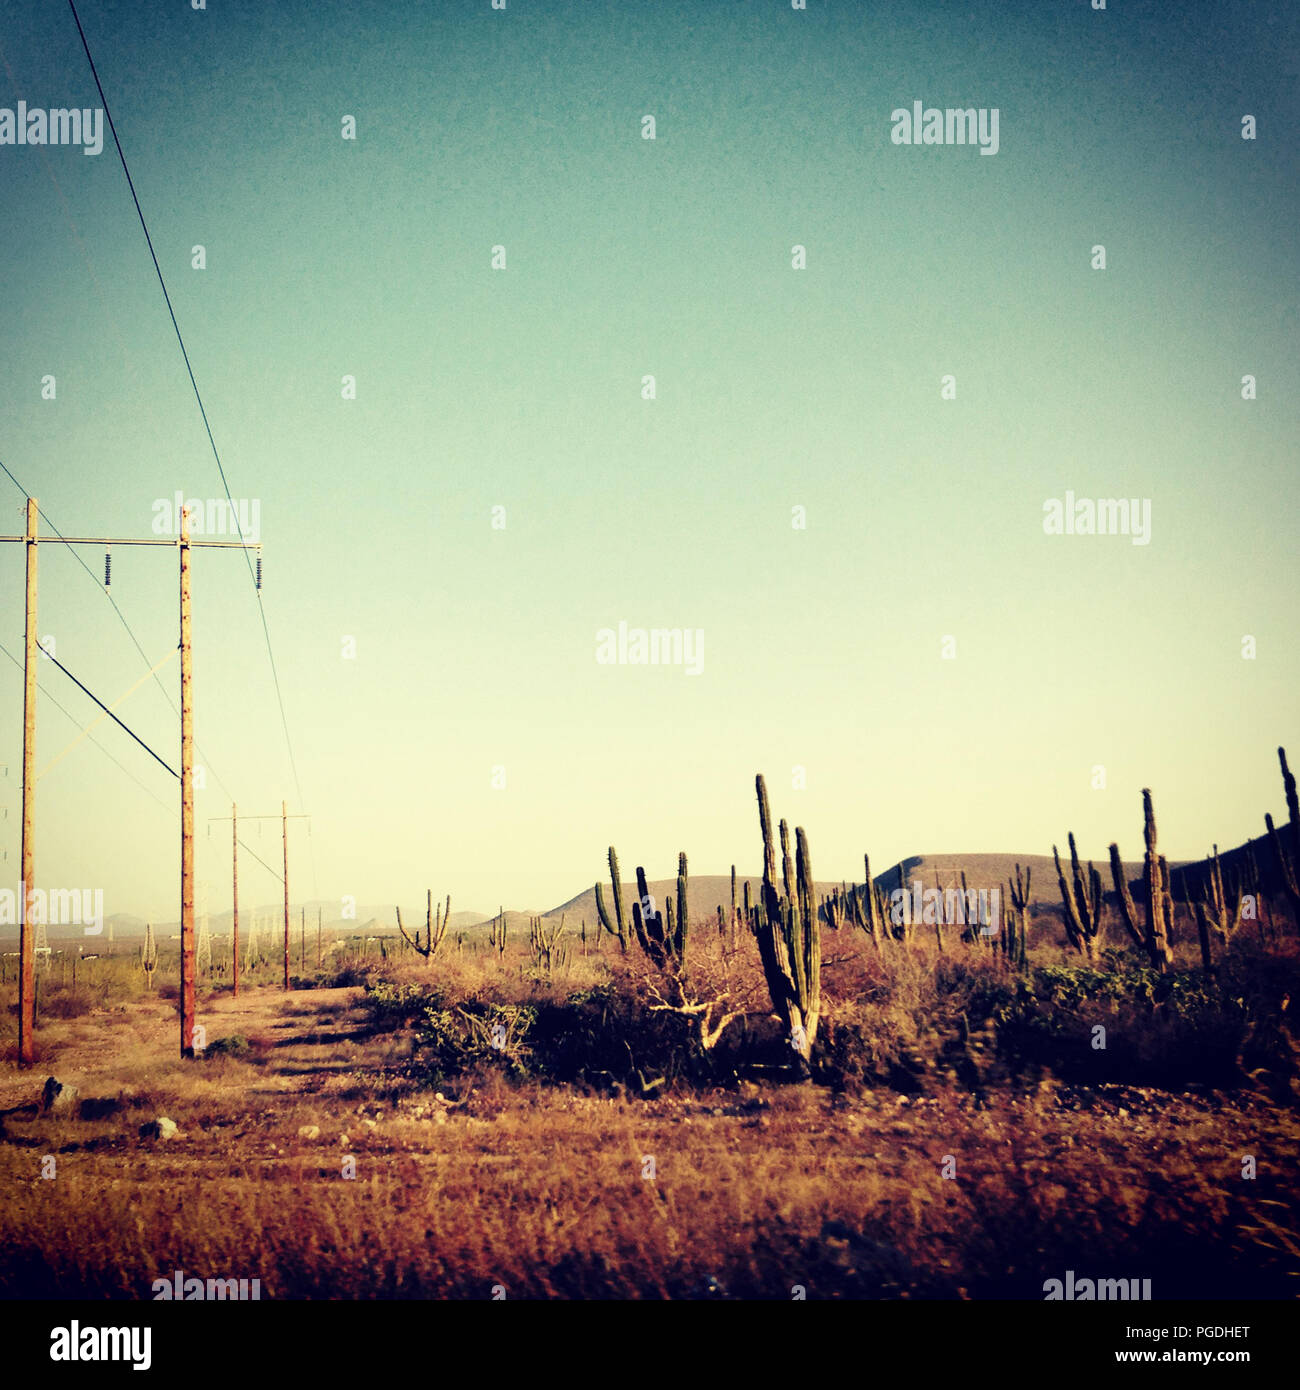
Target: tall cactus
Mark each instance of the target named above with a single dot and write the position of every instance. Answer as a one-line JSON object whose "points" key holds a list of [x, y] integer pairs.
{"points": [[1153, 937], [1128, 908], [1160, 902], [909, 926], [1288, 864], [1019, 919], [435, 927], [498, 937], [789, 934], [149, 955], [735, 911], [877, 920], [832, 908], [661, 932], [683, 915], [619, 930], [1084, 902], [787, 870], [543, 942], [1217, 910]]}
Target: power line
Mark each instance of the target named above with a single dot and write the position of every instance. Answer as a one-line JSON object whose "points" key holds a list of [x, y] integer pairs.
{"points": [[207, 762], [266, 631], [171, 810], [110, 713]]}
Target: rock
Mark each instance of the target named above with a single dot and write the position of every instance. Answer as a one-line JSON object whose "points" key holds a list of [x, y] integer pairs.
{"points": [[161, 1128], [309, 1131], [57, 1096], [370, 1124]]}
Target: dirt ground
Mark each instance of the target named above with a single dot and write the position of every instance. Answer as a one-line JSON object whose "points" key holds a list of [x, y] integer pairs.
{"points": [[323, 1163]]}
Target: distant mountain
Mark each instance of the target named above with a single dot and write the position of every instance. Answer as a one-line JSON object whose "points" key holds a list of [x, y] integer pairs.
{"points": [[706, 892]]}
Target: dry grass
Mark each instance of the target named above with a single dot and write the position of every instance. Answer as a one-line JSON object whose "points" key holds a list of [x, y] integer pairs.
{"points": [[544, 1188]]}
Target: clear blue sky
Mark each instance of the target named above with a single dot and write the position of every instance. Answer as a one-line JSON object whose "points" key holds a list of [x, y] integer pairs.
{"points": [[776, 388]]}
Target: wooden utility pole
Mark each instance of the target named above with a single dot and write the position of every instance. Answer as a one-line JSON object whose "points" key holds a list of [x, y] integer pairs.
{"points": [[284, 818], [284, 831], [234, 891], [187, 800], [26, 953], [27, 942]]}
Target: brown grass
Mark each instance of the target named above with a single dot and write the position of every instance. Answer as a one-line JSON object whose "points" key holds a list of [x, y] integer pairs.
{"points": [[544, 1189]]}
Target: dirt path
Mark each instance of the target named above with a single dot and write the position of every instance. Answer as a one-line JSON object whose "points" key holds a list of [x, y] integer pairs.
{"points": [[306, 1028]]}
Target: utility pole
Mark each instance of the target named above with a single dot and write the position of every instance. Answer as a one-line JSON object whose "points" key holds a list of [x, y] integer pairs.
{"points": [[26, 980], [234, 891], [187, 801], [318, 917], [26, 955], [284, 831], [284, 818]]}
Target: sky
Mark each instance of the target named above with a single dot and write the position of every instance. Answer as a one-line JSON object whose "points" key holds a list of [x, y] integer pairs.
{"points": [[424, 654]]}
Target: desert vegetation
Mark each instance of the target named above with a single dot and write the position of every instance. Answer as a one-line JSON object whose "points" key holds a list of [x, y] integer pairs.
{"points": [[813, 1086]]}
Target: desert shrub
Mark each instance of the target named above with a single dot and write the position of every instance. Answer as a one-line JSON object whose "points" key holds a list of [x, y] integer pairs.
{"points": [[1160, 1030], [349, 972], [477, 1034], [234, 1046], [599, 1037], [395, 1004], [59, 1002], [604, 1036]]}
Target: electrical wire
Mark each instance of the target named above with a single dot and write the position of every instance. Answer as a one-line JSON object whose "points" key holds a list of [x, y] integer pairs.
{"points": [[266, 631]]}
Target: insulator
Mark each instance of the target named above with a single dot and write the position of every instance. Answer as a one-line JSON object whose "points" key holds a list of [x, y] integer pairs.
{"points": [[108, 568], [259, 571]]}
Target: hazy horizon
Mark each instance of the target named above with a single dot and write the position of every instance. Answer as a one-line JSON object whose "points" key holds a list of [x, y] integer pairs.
{"points": [[477, 648]]}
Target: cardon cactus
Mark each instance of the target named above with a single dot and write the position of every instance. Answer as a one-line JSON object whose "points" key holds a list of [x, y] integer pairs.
{"points": [[789, 934], [498, 937], [661, 933], [435, 927], [1084, 902], [543, 941], [683, 917], [149, 955], [1288, 860], [1154, 937], [1218, 911], [617, 927], [1017, 944]]}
